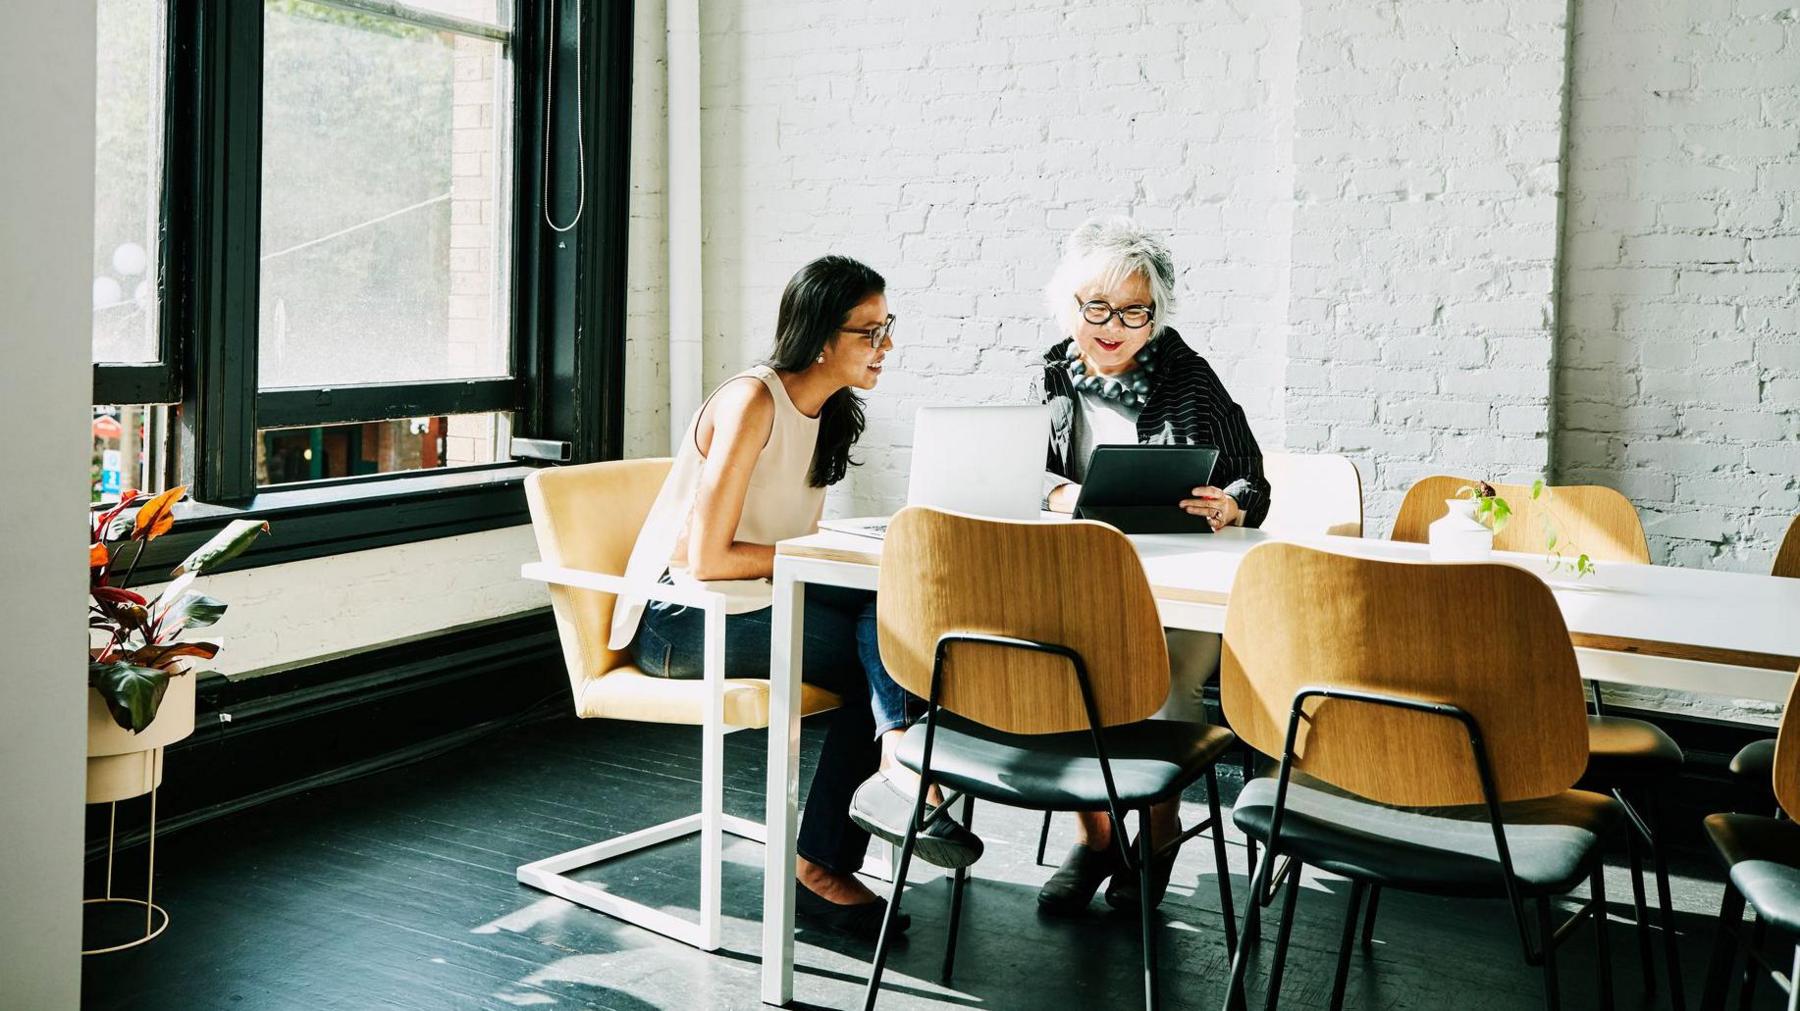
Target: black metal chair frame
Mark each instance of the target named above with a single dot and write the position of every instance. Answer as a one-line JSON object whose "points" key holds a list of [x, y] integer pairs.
{"points": [[1248, 755], [1549, 937], [1146, 855], [1641, 830], [1728, 939]]}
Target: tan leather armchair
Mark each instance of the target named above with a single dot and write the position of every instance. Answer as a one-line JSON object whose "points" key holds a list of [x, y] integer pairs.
{"points": [[586, 519]]}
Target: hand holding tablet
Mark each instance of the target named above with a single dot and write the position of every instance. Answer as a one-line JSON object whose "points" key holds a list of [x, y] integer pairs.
{"points": [[1147, 489], [1218, 508]]}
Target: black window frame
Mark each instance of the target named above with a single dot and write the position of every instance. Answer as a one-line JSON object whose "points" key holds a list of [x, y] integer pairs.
{"points": [[567, 294], [152, 382]]}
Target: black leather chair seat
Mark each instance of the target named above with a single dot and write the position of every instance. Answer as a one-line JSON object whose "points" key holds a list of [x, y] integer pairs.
{"points": [[1151, 761], [1763, 857], [1623, 750], [1755, 763], [1443, 850]]}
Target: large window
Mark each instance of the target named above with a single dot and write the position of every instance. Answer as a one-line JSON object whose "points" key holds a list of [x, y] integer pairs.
{"points": [[130, 442], [385, 220], [128, 141], [383, 213], [386, 211], [321, 279]]}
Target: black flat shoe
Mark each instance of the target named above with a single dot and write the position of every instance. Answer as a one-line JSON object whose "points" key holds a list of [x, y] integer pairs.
{"points": [[861, 921], [1072, 887], [882, 809], [1122, 894]]}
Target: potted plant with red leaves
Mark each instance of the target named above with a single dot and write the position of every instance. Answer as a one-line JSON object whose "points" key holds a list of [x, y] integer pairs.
{"points": [[140, 661]]}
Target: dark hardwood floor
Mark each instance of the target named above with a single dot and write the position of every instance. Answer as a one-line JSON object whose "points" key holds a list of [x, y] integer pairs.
{"points": [[397, 891]]}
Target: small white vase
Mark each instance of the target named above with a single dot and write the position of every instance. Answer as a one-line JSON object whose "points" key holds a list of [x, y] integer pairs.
{"points": [[1459, 536]]}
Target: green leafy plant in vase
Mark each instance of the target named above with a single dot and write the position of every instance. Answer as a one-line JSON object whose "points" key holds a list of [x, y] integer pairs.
{"points": [[1494, 512], [137, 644], [1491, 510], [1554, 543]]}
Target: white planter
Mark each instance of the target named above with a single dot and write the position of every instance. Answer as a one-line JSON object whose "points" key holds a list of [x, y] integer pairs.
{"points": [[122, 764], [1459, 536]]}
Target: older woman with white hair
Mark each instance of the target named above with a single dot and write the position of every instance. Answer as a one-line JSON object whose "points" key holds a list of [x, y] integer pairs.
{"points": [[1122, 375]]}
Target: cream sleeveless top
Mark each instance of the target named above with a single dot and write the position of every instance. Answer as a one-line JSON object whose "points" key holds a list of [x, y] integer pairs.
{"points": [[780, 504]]}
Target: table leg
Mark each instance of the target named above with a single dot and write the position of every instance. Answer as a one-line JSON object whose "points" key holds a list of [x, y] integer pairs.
{"points": [[782, 796]]}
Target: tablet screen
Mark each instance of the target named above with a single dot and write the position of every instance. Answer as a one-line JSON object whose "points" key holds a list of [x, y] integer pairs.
{"points": [[1146, 475]]}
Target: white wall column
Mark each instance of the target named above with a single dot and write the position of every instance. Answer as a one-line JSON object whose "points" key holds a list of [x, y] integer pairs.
{"points": [[46, 252]]}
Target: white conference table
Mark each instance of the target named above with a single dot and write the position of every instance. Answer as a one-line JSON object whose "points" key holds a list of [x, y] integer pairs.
{"points": [[1694, 630]]}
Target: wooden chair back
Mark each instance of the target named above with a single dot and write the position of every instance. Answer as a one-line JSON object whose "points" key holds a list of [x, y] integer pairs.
{"points": [[1590, 518], [1787, 754], [1787, 557], [1076, 584], [1488, 638], [587, 517], [1313, 493]]}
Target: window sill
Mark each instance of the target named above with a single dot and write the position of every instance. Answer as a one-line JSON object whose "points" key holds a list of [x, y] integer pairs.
{"points": [[339, 517]]}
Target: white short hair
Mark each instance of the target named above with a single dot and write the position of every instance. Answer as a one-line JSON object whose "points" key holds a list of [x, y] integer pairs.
{"points": [[1109, 250]]}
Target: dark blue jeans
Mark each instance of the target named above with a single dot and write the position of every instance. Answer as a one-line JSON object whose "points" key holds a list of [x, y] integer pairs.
{"points": [[839, 645]]}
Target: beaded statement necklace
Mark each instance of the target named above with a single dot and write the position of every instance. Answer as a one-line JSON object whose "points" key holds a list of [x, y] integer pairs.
{"points": [[1131, 389]]}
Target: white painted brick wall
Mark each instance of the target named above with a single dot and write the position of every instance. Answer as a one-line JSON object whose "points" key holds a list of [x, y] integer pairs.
{"points": [[1366, 199], [280, 615], [1679, 369], [1363, 202], [952, 146], [1426, 149], [647, 297]]}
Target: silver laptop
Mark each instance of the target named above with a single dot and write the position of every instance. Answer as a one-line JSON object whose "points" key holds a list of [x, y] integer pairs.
{"points": [[985, 461]]}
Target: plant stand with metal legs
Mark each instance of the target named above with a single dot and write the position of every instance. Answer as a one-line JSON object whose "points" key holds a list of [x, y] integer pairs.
{"points": [[152, 929]]}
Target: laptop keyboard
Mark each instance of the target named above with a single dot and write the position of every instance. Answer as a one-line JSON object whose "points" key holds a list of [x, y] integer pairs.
{"points": [[861, 528]]}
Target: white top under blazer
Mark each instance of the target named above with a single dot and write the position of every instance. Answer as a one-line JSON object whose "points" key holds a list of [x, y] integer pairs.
{"points": [[780, 504]]}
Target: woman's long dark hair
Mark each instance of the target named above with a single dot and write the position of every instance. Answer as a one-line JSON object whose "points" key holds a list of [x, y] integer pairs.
{"points": [[817, 301]]}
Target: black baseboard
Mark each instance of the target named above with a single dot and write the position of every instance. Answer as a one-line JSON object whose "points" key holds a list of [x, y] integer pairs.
{"points": [[268, 737], [262, 738]]}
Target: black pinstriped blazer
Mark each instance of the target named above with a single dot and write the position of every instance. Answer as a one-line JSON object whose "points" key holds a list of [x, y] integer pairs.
{"points": [[1188, 406]]}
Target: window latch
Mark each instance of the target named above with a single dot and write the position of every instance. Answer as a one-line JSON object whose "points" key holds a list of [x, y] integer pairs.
{"points": [[540, 449]]}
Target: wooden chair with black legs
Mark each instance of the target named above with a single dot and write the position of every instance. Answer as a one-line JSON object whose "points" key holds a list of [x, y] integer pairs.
{"points": [[1312, 495], [1039, 652], [1755, 762], [1754, 765], [1761, 855], [1634, 760], [1430, 727]]}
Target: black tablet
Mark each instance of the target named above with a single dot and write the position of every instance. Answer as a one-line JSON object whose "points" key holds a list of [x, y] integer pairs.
{"points": [[1139, 488]]}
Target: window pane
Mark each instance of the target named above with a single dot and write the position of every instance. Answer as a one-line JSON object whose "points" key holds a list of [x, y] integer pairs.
{"points": [[128, 131], [129, 443], [383, 218], [288, 455]]}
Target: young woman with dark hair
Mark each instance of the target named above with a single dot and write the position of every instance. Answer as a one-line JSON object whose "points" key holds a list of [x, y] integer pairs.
{"points": [[752, 470]]}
